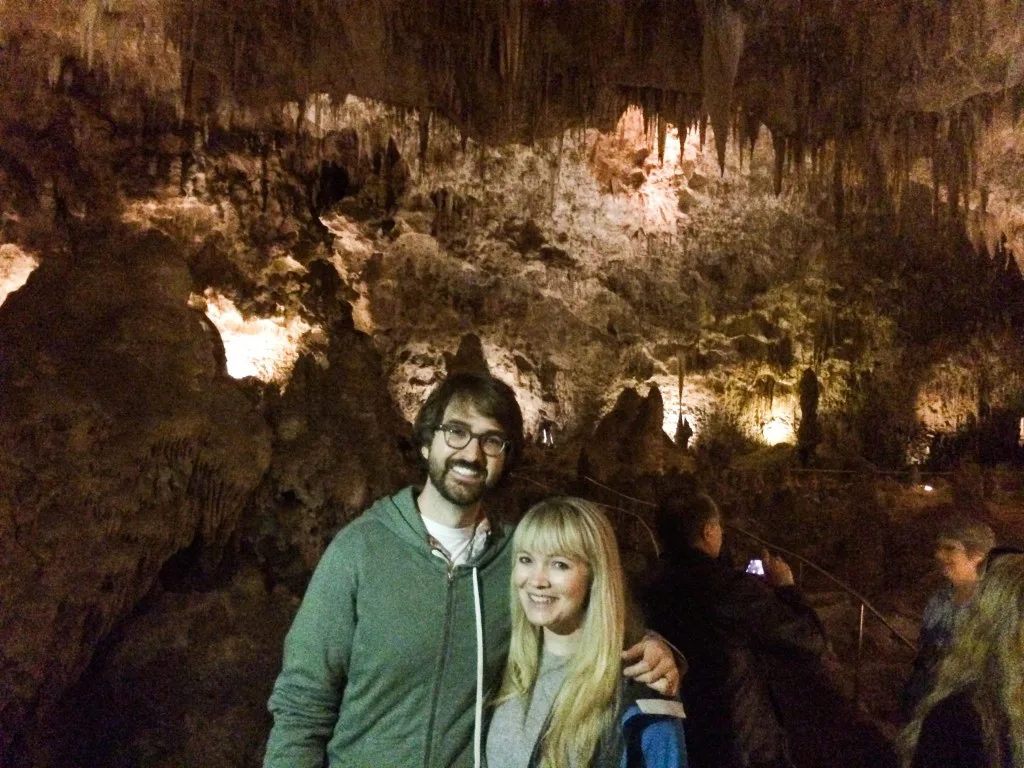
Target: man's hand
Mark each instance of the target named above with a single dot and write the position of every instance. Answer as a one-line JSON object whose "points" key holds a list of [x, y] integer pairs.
{"points": [[776, 570], [651, 663]]}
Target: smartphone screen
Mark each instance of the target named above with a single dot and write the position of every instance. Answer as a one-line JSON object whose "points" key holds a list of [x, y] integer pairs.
{"points": [[755, 567]]}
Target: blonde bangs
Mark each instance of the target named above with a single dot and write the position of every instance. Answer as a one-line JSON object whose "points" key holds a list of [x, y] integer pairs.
{"points": [[585, 706], [557, 532]]}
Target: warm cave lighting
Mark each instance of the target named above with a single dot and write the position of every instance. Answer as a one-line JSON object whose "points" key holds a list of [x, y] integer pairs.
{"points": [[927, 488], [15, 267], [670, 422], [1020, 430], [777, 431], [673, 150], [264, 347]]}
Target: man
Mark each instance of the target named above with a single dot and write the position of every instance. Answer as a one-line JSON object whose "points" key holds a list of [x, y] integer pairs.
{"points": [[405, 625], [734, 628]]}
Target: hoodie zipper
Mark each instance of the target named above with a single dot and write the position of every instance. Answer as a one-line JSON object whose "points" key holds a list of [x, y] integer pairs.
{"points": [[445, 642]]}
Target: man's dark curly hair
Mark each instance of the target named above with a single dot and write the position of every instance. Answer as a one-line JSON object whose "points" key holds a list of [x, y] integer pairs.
{"points": [[492, 397]]}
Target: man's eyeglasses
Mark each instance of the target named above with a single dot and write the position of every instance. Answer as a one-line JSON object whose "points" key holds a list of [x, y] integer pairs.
{"points": [[457, 436]]}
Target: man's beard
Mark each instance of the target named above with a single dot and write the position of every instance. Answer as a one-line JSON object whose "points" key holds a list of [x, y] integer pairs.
{"points": [[454, 492]]}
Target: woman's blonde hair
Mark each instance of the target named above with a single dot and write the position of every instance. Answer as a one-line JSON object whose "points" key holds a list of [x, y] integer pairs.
{"points": [[986, 658], [585, 705]]}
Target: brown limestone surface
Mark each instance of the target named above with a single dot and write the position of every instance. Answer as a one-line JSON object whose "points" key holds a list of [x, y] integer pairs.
{"points": [[814, 73], [129, 452], [186, 682], [123, 442], [630, 442], [339, 443]]}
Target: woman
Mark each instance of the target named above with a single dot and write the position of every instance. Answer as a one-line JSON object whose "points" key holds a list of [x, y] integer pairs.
{"points": [[960, 551], [975, 716], [563, 701]]}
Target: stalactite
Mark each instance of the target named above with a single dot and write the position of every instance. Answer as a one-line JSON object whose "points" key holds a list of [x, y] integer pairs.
{"points": [[751, 126], [838, 183], [662, 134], [424, 131], [980, 117], [779, 146], [721, 48], [88, 23], [519, 68], [955, 167], [936, 166]]}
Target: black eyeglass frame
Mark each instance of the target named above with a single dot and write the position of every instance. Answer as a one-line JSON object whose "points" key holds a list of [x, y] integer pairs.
{"points": [[448, 431]]}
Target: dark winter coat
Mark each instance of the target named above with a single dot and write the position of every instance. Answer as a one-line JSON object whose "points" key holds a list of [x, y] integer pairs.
{"points": [[951, 737], [732, 627]]}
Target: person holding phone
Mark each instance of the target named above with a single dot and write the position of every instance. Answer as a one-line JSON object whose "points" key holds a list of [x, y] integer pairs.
{"points": [[733, 628]]}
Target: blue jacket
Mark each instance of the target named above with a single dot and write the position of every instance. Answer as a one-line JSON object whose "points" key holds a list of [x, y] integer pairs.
{"points": [[649, 732], [932, 644], [651, 729]]}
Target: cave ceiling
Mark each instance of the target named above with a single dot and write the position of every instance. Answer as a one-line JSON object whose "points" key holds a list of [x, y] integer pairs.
{"points": [[813, 71], [875, 102], [870, 102]]}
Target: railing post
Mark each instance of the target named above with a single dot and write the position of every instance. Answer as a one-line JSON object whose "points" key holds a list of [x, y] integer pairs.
{"points": [[860, 649]]}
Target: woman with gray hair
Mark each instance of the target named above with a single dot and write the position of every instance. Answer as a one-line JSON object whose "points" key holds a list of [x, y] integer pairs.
{"points": [[974, 718], [961, 548]]}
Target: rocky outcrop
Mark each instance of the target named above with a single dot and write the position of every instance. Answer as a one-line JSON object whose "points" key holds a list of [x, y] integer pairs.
{"points": [[630, 442], [122, 443], [184, 681], [339, 442]]}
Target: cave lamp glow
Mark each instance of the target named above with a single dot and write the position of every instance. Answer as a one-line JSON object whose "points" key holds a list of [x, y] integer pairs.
{"points": [[777, 430], [15, 267], [264, 347]]}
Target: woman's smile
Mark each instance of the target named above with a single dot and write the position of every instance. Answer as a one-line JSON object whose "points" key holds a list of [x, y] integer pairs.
{"points": [[553, 590]]}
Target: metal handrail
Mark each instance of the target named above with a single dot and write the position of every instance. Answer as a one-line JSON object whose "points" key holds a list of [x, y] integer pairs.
{"points": [[864, 604], [619, 493], [841, 584], [634, 515]]}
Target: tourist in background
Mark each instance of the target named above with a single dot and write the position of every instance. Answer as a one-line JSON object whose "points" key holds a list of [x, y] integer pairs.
{"points": [[563, 701], [961, 548], [737, 631], [974, 716]]}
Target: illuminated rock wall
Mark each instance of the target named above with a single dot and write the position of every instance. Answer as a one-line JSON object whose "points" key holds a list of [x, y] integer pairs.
{"points": [[123, 444]]}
